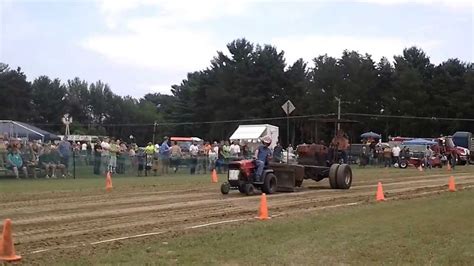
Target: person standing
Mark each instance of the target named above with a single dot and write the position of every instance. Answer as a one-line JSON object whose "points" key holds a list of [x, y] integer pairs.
{"points": [[428, 155], [206, 149], [221, 156], [97, 157], [140, 156], [121, 157], [387, 155], [193, 152], [150, 153], [176, 154], [105, 155], [156, 160], [89, 149], [212, 156], [201, 160], [234, 150], [84, 152], [164, 156], [113, 151], [396, 154], [64, 150]]}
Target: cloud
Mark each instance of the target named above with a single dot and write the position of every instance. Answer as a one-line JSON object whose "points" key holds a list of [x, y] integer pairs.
{"points": [[163, 89], [170, 12], [308, 47], [113, 10], [171, 38], [159, 49], [166, 38], [454, 4]]}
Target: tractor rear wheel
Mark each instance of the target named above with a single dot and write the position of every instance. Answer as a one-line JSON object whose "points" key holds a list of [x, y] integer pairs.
{"points": [[249, 189], [333, 175], [225, 188], [269, 184], [344, 176]]}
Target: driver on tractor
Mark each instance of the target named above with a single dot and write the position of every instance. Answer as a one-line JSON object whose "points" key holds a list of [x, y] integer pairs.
{"points": [[262, 156], [339, 145]]}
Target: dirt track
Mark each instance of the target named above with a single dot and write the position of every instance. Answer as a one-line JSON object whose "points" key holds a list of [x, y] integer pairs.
{"points": [[58, 220]]}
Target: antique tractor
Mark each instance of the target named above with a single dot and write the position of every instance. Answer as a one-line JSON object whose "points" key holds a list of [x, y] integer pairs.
{"points": [[241, 176], [312, 163]]}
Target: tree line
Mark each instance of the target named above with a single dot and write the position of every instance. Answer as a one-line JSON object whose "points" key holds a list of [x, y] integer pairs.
{"points": [[251, 81]]}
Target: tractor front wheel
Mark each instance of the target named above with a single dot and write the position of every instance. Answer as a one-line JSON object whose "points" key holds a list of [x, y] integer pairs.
{"points": [[403, 164], [225, 188]]}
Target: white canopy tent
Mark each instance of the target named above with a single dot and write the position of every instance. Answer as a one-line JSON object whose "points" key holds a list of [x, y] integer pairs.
{"points": [[22, 130], [253, 133]]}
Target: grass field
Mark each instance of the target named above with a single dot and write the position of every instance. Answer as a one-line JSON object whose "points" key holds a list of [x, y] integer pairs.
{"points": [[434, 230], [61, 218]]}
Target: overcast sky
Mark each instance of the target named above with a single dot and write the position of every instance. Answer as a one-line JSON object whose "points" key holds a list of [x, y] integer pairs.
{"points": [[142, 46]]}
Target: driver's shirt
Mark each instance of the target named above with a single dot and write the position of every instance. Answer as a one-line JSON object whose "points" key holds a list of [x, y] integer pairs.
{"points": [[263, 153]]}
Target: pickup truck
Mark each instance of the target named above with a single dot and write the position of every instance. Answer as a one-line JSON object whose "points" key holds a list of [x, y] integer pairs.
{"points": [[465, 145]]}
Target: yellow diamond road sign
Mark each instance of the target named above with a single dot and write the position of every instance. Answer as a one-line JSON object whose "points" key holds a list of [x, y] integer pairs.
{"points": [[288, 107]]}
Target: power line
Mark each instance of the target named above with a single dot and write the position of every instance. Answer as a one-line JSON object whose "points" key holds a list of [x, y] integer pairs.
{"points": [[197, 122], [269, 119], [411, 117]]}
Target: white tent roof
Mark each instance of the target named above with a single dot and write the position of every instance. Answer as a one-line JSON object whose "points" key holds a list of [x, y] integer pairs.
{"points": [[248, 132]]}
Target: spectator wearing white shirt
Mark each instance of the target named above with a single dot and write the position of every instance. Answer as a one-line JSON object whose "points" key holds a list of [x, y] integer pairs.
{"points": [[234, 150], [213, 152], [396, 154], [83, 147], [105, 155]]}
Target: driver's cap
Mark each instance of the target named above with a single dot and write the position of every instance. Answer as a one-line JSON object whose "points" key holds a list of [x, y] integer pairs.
{"points": [[266, 139]]}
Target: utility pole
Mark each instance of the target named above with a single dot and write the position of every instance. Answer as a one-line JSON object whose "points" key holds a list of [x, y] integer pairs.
{"points": [[338, 112], [154, 131], [288, 108]]}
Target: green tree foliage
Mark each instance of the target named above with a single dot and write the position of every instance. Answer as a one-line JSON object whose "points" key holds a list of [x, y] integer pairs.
{"points": [[15, 94], [48, 96], [251, 81]]}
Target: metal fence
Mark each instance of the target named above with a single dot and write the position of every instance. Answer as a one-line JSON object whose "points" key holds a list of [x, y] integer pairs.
{"points": [[83, 164]]}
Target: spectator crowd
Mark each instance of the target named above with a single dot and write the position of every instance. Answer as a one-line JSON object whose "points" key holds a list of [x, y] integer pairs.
{"points": [[34, 159]]}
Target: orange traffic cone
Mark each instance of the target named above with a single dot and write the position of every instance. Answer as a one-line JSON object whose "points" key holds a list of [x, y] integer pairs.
{"points": [[420, 168], [380, 196], [7, 250], [451, 184], [263, 213], [214, 178], [448, 167], [108, 182]]}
